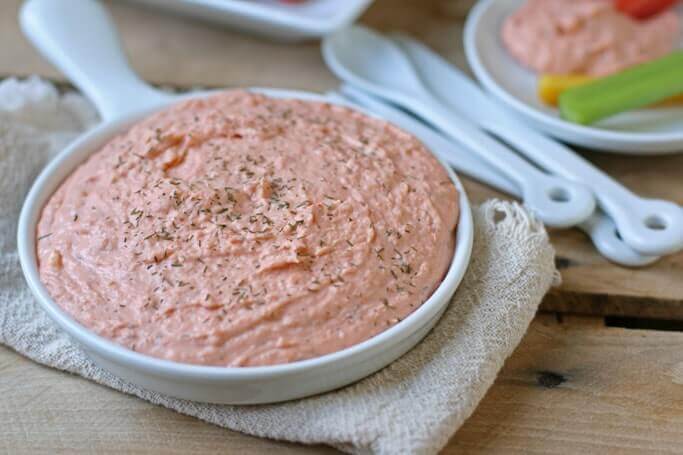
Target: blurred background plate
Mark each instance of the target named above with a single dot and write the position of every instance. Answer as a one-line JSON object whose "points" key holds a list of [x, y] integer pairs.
{"points": [[639, 132], [275, 19]]}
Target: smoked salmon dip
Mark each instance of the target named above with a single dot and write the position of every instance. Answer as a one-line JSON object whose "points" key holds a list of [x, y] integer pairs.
{"points": [[244, 230], [586, 37]]}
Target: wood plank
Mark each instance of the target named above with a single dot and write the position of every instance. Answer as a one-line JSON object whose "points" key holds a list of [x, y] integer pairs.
{"points": [[570, 387], [591, 285], [181, 52], [577, 387], [47, 411]]}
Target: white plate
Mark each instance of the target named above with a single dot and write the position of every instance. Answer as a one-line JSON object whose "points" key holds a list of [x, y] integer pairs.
{"points": [[644, 132], [272, 18]]}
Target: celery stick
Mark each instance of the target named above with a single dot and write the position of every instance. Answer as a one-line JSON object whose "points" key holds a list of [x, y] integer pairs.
{"points": [[633, 88]]}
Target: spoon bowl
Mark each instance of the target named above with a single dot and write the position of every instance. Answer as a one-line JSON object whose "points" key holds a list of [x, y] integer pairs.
{"points": [[365, 59]]}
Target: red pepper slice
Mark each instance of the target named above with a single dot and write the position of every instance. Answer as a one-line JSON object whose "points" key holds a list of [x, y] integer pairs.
{"points": [[643, 9]]}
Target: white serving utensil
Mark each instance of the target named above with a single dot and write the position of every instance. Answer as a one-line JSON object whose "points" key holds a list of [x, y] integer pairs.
{"points": [[650, 226], [599, 227], [368, 61]]}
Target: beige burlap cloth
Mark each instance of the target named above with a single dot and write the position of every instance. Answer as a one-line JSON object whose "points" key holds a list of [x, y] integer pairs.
{"points": [[413, 406]]}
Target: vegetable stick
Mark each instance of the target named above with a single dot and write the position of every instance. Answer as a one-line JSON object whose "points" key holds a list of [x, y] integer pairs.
{"points": [[630, 89], [550, 86]]}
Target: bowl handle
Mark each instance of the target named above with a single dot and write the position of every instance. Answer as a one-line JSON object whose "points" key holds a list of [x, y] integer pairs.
{"points": [[80, 39]]}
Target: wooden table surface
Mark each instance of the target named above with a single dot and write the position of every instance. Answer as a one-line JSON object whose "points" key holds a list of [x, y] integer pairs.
{"points": [[573, 385], [570, 387]]}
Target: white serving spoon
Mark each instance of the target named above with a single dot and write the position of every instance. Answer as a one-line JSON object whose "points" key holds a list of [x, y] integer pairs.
{"points": [[650, 226], [79, 38], [376, 65], [598, 227]]}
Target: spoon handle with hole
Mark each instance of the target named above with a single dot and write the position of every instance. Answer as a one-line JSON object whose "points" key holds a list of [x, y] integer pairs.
{"points": [[367, 60], [548, 195], [650, 226], [599, 227]]}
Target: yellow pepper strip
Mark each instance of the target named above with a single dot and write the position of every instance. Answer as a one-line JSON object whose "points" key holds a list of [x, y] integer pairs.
{"points": [[551, 85]]}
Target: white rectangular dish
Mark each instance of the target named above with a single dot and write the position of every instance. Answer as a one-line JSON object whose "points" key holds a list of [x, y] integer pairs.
{"points": [[271, 18]]}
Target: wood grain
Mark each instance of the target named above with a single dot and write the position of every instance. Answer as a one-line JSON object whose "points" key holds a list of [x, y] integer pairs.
{"points": [[578, 387], [570, 387], [46, 411], [176, 51]]}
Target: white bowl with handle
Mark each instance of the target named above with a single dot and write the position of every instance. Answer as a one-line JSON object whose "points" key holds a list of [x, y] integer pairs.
{"points": [[84, 45]]}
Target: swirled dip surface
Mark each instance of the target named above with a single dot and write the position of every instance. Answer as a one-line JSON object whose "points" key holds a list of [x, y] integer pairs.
{"points": [[240, 229], [586, 36]]}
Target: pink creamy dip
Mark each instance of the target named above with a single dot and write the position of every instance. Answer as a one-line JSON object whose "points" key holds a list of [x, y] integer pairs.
{"points": [[586, 37], [245, 230]]}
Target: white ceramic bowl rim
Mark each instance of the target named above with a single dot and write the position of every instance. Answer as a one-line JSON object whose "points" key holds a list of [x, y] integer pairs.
{"points": [[45, 185], [480, 70], [286, 15]]}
